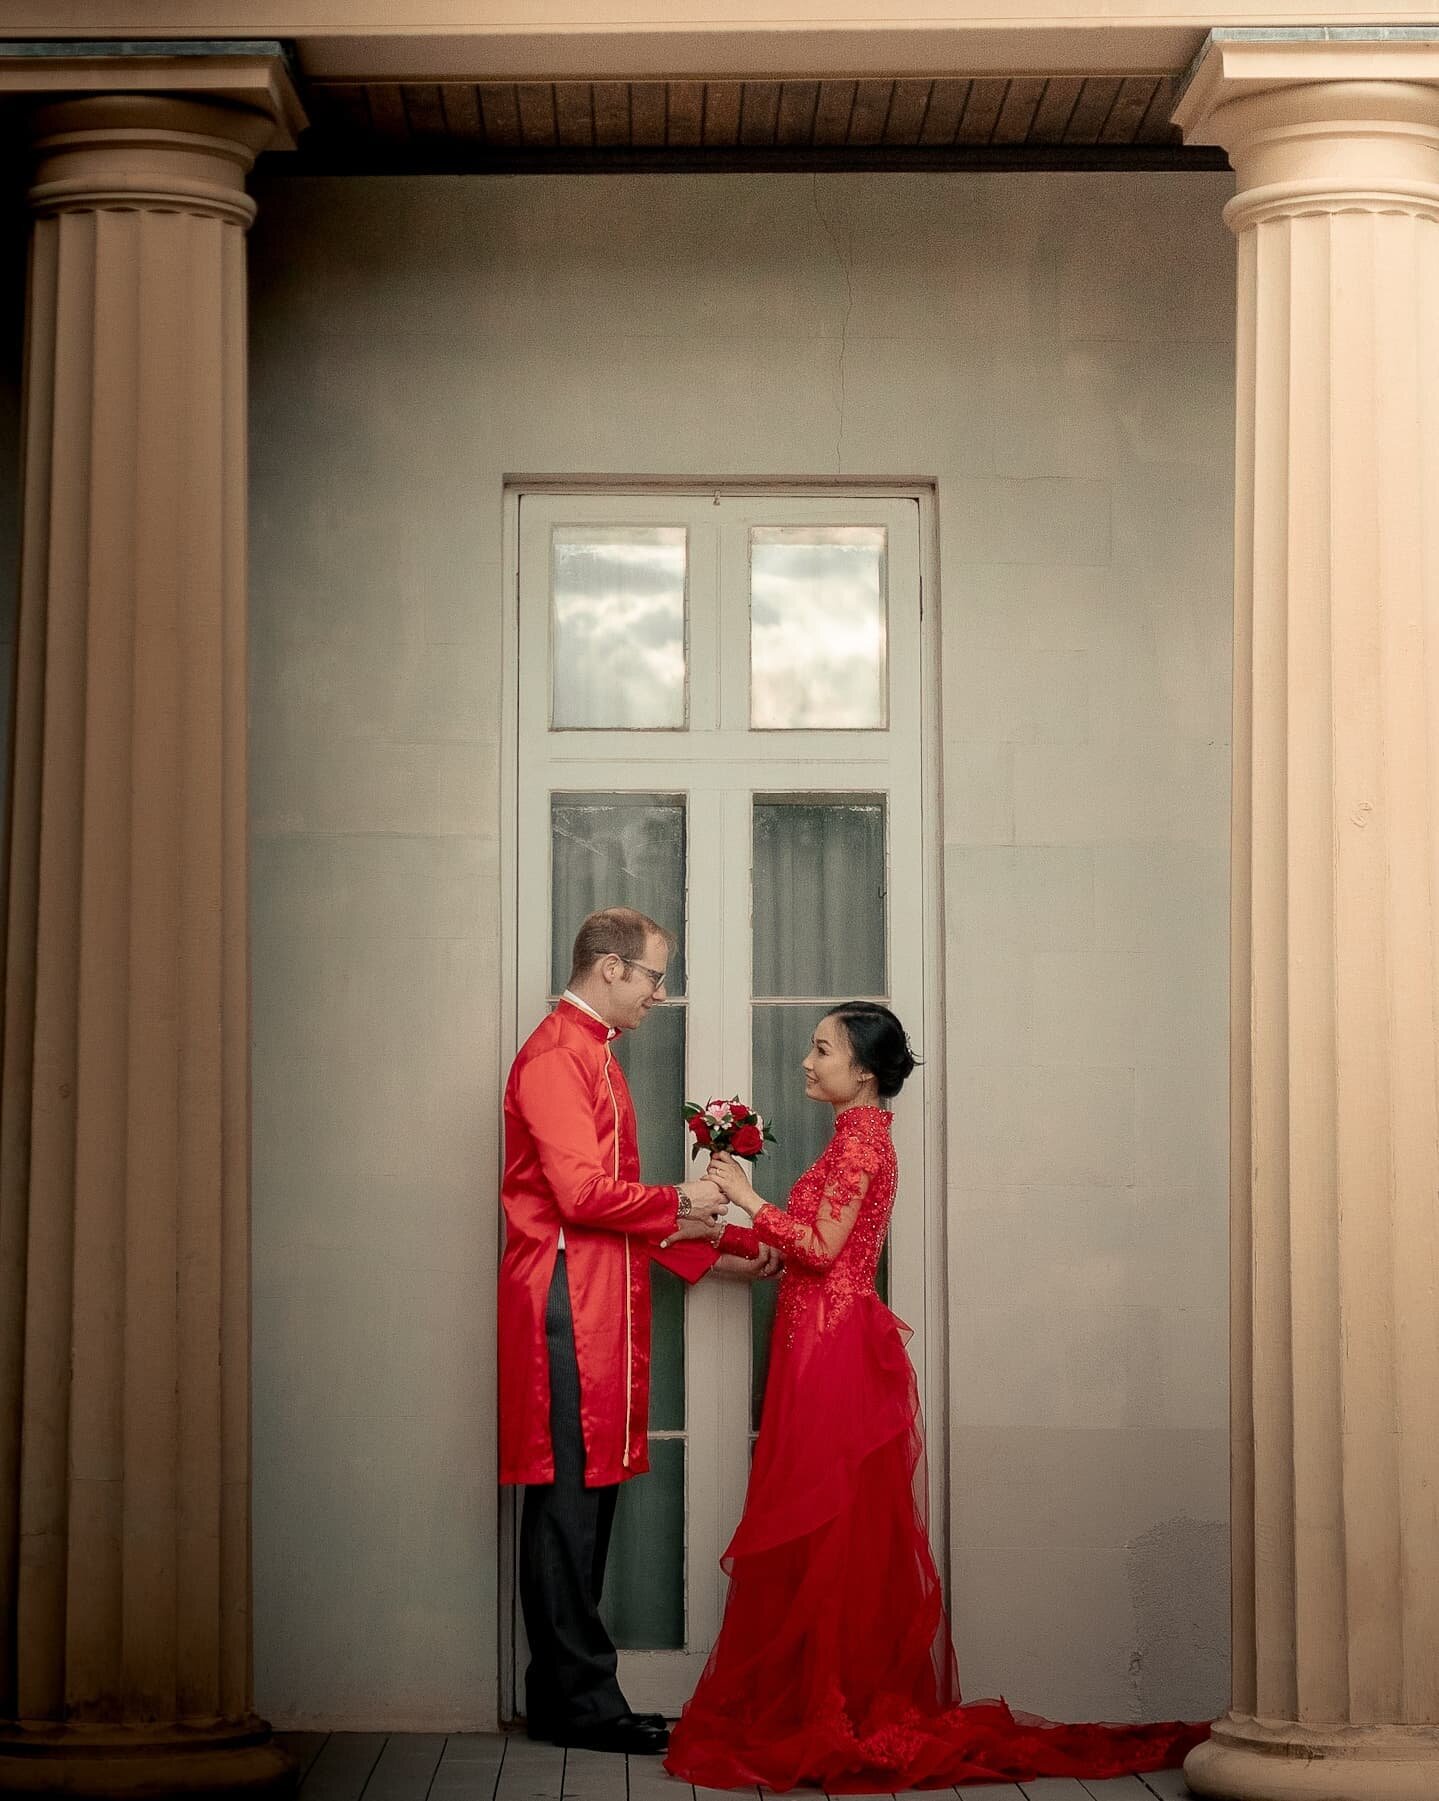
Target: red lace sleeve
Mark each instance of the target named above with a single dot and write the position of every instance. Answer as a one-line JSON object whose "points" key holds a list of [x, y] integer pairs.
{"points": [[739, 1241], [816, 1247]]}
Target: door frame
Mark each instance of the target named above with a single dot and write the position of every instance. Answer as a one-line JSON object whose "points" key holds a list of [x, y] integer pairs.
{"points": [[934, 1326]]}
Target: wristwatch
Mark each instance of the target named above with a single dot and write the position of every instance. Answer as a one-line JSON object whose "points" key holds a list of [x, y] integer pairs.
{"points": [[683, 1205]]}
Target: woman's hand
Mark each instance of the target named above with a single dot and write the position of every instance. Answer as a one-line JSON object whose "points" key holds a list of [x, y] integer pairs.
{"points": [[733, 1183], [749, 1269]]}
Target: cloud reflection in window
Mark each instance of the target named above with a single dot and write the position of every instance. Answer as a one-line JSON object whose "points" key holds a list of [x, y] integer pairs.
{"points": [[619, 627], [817, 628]]}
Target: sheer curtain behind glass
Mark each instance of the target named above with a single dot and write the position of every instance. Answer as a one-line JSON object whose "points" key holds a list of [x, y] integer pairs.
{"points": [[819, 908], [628, 850], [616, 850], [819, 897]]}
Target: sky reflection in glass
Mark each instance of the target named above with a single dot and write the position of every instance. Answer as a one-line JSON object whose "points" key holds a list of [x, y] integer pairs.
{"points": [[619, 627], [817, 628]]}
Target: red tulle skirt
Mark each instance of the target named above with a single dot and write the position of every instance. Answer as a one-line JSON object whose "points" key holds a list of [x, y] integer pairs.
{"points": [[834, 1665]]}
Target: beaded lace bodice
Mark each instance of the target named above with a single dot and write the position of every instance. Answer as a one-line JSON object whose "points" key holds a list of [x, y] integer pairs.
{"points": [[834, 1230]]}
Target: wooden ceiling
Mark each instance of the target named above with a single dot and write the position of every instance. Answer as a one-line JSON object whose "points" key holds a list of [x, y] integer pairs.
{"points": [[1059, 122]]}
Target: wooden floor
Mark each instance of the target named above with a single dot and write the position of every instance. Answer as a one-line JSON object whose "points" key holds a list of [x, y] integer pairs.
{"points": [[476, 1766]]}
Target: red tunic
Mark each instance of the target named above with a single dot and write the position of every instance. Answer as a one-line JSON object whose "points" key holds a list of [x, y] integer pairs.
{"points": [[572, 1163]]}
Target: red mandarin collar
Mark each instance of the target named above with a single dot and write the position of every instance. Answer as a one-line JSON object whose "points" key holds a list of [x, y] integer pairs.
{"points": [[595, 1027], [856, 1119]]}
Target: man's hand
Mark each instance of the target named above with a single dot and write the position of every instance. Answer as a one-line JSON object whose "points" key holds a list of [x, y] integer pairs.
{"points": [[697, 1226], [705, 1201], [703, 1217], [749, 1269]]}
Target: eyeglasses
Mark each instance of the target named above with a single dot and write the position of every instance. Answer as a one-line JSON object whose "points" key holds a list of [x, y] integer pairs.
{"points": [[656, 976]]}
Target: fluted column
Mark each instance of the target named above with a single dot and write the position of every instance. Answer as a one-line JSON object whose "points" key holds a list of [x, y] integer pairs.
{"points": [[124, 1231], [1335, 1123]]}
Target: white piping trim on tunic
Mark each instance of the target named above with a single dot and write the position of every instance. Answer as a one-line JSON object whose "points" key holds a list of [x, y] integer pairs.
{"points": [[629, 1304]]}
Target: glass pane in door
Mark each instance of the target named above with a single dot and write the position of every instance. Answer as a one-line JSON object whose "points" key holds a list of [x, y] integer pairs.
{"points": [[644, 1585], [819, 896], [818, 628], [802, 1129], [617, 627], [653, 1060], [649, 1542], [820, 931], [616, 850]]}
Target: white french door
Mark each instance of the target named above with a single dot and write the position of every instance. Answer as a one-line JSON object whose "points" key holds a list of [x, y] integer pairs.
{"points": [[719, 723]]}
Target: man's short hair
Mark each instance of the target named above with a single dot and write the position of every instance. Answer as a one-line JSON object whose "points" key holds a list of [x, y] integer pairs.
{"points": [[614, 932]]}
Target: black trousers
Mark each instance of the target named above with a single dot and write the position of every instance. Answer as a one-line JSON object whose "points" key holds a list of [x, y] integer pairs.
{"points": [[564, 1541]]}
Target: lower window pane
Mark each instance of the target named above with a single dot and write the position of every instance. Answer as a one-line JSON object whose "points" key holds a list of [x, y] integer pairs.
{"points": [[644, 1601], [653, 1059], [819, 896], [616, 850], [802, 1128], [763, 1296], [667, 1351]]}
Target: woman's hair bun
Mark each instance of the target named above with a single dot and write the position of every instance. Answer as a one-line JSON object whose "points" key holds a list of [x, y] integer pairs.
{"points": [[879, 1043]]}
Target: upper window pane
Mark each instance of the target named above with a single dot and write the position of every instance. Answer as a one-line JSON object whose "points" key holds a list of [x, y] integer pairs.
{"points": [[617, 652], [817, 627]]}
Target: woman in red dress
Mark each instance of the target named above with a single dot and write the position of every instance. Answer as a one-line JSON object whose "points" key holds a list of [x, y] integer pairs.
{"points": [[834, 1665]]}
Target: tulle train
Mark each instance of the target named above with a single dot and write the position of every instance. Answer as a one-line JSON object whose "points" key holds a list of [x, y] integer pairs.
{"points": [[835, 1665]]}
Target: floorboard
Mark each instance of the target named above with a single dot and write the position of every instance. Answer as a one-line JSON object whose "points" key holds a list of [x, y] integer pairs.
{"points": [[1168, 1785], [650, 1781], [492, 1766], [470, 1767], [304, 1747], [531, 1771], [406, 1767], [343, 1766], [594, 1776]]}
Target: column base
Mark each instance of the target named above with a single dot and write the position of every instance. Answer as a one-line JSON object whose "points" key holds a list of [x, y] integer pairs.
{"points": [[231, 1762], [1276, 1760]]}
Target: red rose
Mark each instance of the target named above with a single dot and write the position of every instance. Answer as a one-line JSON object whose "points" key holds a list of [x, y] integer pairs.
{"points": [[699, 1126], [738, 1111], [747, 1142]]}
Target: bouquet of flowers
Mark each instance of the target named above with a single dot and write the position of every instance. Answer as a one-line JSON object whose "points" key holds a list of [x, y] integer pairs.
{"points": [[727, 1126]]}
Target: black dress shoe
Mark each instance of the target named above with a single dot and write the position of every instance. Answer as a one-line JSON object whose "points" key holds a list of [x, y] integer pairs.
{"points": [[657, 1720], [626, 1735]]}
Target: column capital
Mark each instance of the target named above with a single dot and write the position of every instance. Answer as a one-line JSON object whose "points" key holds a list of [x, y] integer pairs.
{"points": [[1323, 120], [251, 75], [146, 153]]}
